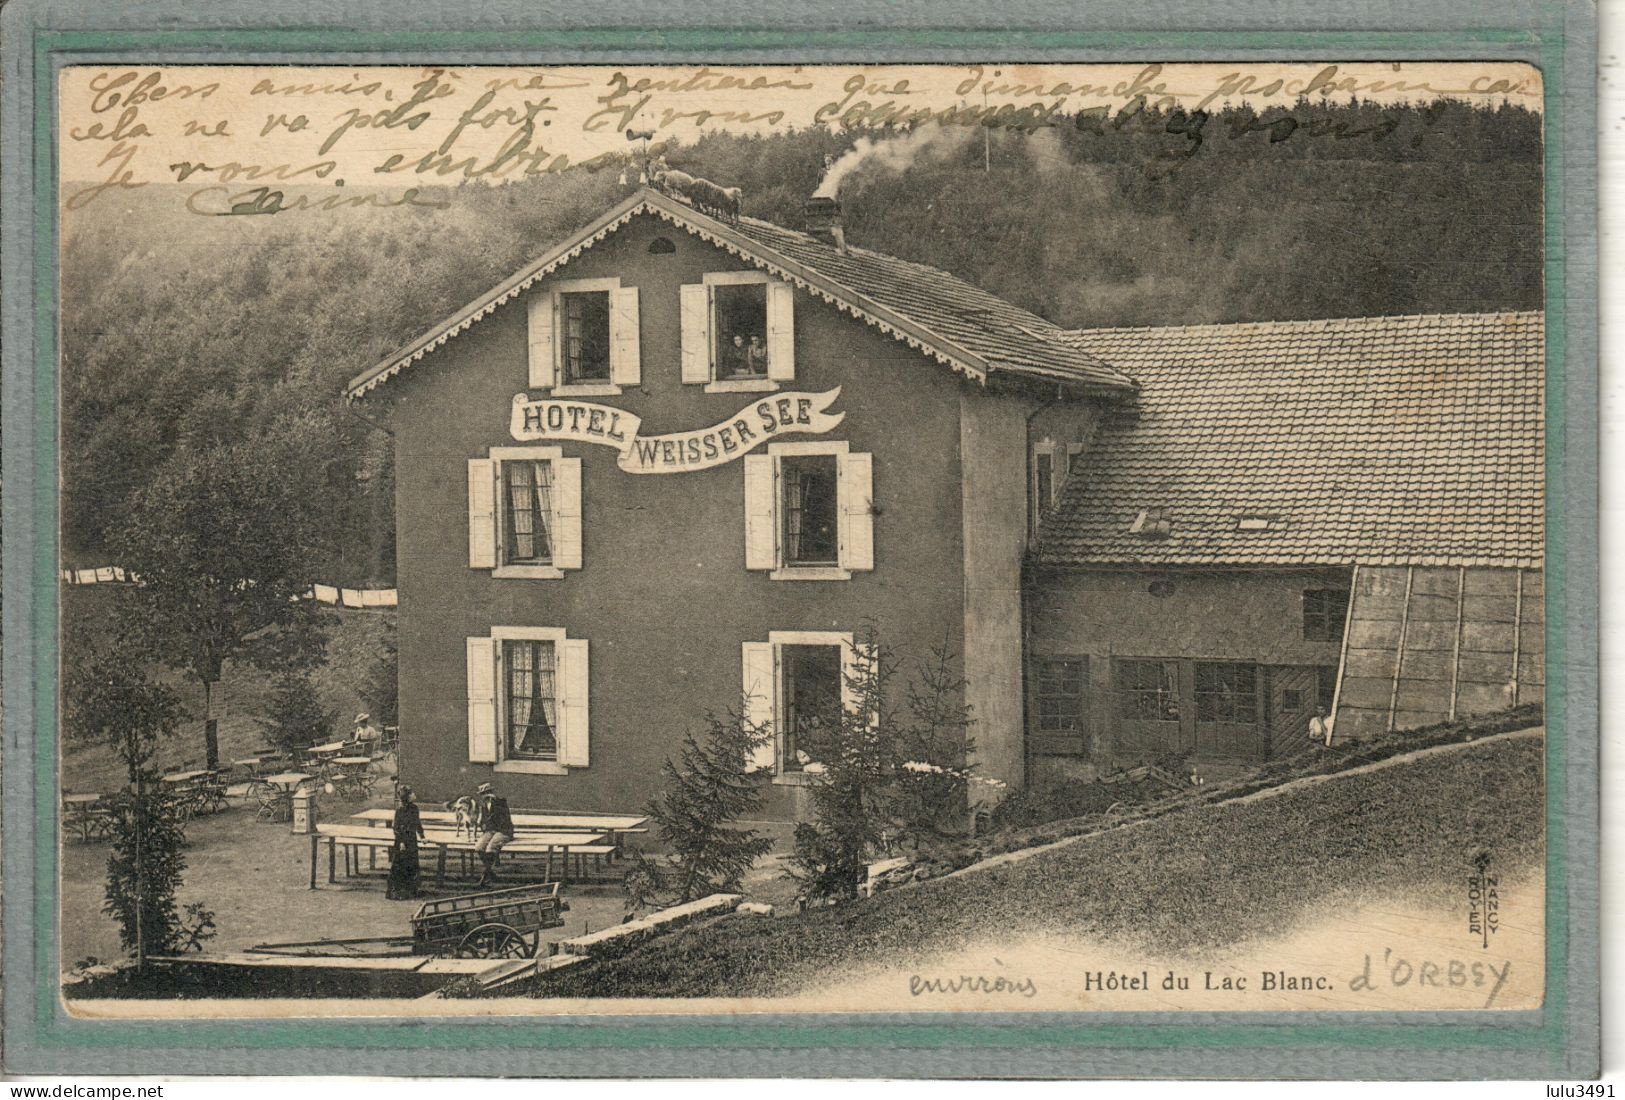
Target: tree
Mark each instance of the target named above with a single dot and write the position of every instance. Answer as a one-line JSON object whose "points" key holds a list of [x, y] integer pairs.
{"points": [[892, 774], [295, 717], [850, 787], [222, 544], [708, 786], [108, 698], [381, 691]]}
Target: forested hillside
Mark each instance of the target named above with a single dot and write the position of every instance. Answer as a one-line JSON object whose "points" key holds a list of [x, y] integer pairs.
{"points": [[179, 329]]}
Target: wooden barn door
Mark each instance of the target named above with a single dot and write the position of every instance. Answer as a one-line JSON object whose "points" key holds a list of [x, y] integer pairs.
{"points": [[1293, 692]]}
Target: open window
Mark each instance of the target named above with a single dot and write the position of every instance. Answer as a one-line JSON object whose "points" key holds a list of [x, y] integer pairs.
{"points": [[738, 332], [797, 684], [584, 337], [809, 511], [524, 513], [528, 700]]}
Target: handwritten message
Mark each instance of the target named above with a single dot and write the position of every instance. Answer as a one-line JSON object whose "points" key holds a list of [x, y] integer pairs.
{"points": [[262, 141]]}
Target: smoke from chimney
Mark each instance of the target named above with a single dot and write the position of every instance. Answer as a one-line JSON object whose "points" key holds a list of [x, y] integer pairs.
{"points": [[929, 142]]}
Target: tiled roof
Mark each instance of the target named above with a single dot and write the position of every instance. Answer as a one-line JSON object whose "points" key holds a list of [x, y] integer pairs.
{"points": [[942, 315], [1373, 440]]}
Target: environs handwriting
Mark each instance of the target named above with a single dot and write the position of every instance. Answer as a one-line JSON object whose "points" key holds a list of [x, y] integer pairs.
{"points": [[972, 983]]}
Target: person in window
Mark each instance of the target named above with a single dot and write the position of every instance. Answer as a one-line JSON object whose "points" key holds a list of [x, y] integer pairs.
{"points": [[734, 356], [496, 831], [756, 356], [403, 852]]}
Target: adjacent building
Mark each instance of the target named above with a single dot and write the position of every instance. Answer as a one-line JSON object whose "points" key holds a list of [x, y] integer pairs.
{"points": [[682, 460]]}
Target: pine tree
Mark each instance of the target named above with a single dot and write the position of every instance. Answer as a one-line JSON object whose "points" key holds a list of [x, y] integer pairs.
{"points": [[708, 786], [295, 717]]}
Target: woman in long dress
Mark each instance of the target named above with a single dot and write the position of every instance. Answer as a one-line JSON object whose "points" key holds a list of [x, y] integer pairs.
{"points": [[403, 853]]}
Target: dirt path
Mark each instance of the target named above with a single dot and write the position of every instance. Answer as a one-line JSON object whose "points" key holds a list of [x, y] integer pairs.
{"points": [[1257, 796]]}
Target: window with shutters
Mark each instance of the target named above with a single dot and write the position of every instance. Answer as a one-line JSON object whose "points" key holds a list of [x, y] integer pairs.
{"points": [[528, 700], [738, 332], [584, 337], [524, 513], [809, 511], [808, 508], [796, 685]]}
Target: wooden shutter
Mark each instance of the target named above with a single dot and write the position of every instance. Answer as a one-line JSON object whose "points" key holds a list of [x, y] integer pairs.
{"points": [[624, 368], [856, 530], [696, 332], [543, 352], [566, 513], [482, 700], [781, 332], [761, 514], [482, 513], [759, 690], [572, 659]]}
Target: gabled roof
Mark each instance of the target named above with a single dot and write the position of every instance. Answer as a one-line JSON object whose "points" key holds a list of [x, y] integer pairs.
{"points": [[941, 315], [1373, 440]]}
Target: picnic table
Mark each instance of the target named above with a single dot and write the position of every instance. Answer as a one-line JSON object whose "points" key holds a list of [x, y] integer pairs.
{"points": [[608, 824], [352, 775], [176, 778], [85, 814], [275, 794], [543, 845]]}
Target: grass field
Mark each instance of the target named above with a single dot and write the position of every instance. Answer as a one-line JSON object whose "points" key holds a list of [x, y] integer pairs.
{"points": [[1204, 878]]}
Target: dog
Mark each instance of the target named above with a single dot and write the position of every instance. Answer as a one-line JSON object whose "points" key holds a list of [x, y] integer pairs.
{"points": [[467, 815]]}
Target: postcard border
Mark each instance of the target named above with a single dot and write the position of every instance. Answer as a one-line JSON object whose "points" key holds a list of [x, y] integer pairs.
{"points": [[41, 1036]]}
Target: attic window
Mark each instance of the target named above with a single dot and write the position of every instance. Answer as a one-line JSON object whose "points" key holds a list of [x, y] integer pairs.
{"points": [[1152, 523], [661, 246], [1255, 522]]}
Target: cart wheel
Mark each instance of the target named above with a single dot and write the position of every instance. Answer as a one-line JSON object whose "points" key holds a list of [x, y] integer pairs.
{"points": [[493, 941]]}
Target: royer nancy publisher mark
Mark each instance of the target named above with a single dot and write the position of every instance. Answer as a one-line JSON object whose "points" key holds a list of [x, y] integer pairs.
{"points": [[836, 537]]}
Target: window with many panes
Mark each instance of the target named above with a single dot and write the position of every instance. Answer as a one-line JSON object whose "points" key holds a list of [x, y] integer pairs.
{"points": [[1226, 692], [1324, 613], [527, 511], [1147, 691], [809, 509], [530, 700], [1061, 687], [584, 336]]}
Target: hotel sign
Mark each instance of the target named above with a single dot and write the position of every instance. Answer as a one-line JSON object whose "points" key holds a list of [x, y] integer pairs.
{"points": [[682, 452]]}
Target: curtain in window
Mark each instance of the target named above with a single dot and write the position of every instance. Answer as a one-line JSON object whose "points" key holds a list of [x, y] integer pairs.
{"points": [[532, 699], [530, 504], [795, 501]]}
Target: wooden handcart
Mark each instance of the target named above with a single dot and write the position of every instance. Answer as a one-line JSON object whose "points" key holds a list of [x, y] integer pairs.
{"points": [[493, 924]]}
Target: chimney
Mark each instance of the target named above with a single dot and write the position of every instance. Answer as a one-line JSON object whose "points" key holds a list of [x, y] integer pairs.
{"points": [[822, 218]]}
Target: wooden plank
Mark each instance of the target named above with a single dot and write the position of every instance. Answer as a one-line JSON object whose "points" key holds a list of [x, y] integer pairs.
{"points": [[1399, 654], [1517, 635], [1455, 648], [1342, 656]]}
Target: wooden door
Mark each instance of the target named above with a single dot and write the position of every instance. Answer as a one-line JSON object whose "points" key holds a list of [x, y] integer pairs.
{"points": [[1294, 692]]}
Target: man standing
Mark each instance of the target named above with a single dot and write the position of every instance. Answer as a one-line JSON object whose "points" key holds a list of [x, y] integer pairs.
{"points": [[496, 830]]}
